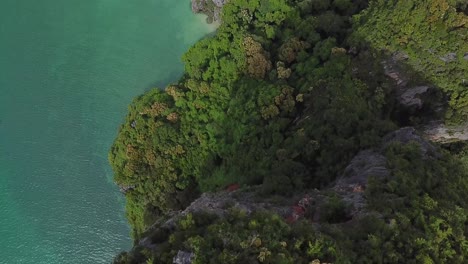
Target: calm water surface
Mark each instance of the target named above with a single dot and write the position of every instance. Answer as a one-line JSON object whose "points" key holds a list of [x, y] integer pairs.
{"points": [[68, 70]]}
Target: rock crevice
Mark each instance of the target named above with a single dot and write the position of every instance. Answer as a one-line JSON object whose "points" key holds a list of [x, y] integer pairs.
{"points": [[422, 101]]}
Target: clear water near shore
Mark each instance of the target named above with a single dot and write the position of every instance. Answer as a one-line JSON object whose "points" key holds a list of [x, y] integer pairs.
{"points": [[68, 70]]}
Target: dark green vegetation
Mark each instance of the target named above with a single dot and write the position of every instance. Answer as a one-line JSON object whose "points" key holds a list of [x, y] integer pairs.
{"points": [[417, 215], [284, 96], [433, 33]]}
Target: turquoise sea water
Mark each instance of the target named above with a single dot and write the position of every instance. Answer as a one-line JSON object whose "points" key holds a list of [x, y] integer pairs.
{"points": [[68, 70]]}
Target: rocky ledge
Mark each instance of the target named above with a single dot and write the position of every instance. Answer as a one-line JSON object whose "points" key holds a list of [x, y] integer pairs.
{"points": [[438, 132], [211, 8], [423, 101]]}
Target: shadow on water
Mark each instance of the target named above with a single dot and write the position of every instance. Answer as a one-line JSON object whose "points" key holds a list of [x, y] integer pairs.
{"points": [[162, 84]]}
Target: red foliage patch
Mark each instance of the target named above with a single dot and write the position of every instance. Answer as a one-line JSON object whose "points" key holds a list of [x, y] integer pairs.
{"points": [[298, 209], [232, 187], [290, 219]]}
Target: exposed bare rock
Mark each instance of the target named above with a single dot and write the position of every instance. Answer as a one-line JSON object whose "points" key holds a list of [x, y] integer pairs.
{"points": [[183, 257], [407, 135], [365, 164], [351, 185], [423, 101], [438, 132], [449, 57], [125, 188], [217, 203], [212, 8], [465, 56], [411, 96], [371, 163], [393, 70]]}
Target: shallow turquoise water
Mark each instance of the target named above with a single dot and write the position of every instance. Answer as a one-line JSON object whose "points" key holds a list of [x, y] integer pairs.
{"points": [[68, 70]]}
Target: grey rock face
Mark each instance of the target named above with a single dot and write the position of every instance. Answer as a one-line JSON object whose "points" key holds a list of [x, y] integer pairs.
{"points": [[407, 135], [392, 70], [198, 5], [218, 204], [220, 3], [410, 97], [371, 163], [439, 132], [449, 57], [212, 8], [126, 188], [351, 185], [183, 257], [418, 99], [365, 164]]}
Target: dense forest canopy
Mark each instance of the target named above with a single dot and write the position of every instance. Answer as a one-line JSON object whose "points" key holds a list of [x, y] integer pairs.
{"points": [[283, 96], [433, 33]]}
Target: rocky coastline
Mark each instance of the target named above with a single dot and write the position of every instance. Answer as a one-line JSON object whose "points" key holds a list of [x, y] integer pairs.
{"points": [[211, 8]]}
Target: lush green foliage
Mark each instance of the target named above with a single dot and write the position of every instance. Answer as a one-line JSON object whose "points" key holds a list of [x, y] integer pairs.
{"points": [[418, 214], [277, 97], [424, 203], [271, 98], [434, 33], [260, 238]]}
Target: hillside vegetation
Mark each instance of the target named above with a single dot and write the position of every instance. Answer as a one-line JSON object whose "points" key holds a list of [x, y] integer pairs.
{"points": [[283, 96]]}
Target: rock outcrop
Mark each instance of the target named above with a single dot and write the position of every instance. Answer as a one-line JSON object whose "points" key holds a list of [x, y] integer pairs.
{"points": [[351, 185], [407, 135], [125, 188], [212, 8], [422, 101], [183, 257], [449, 57], [410, 97], [438, 132]]}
